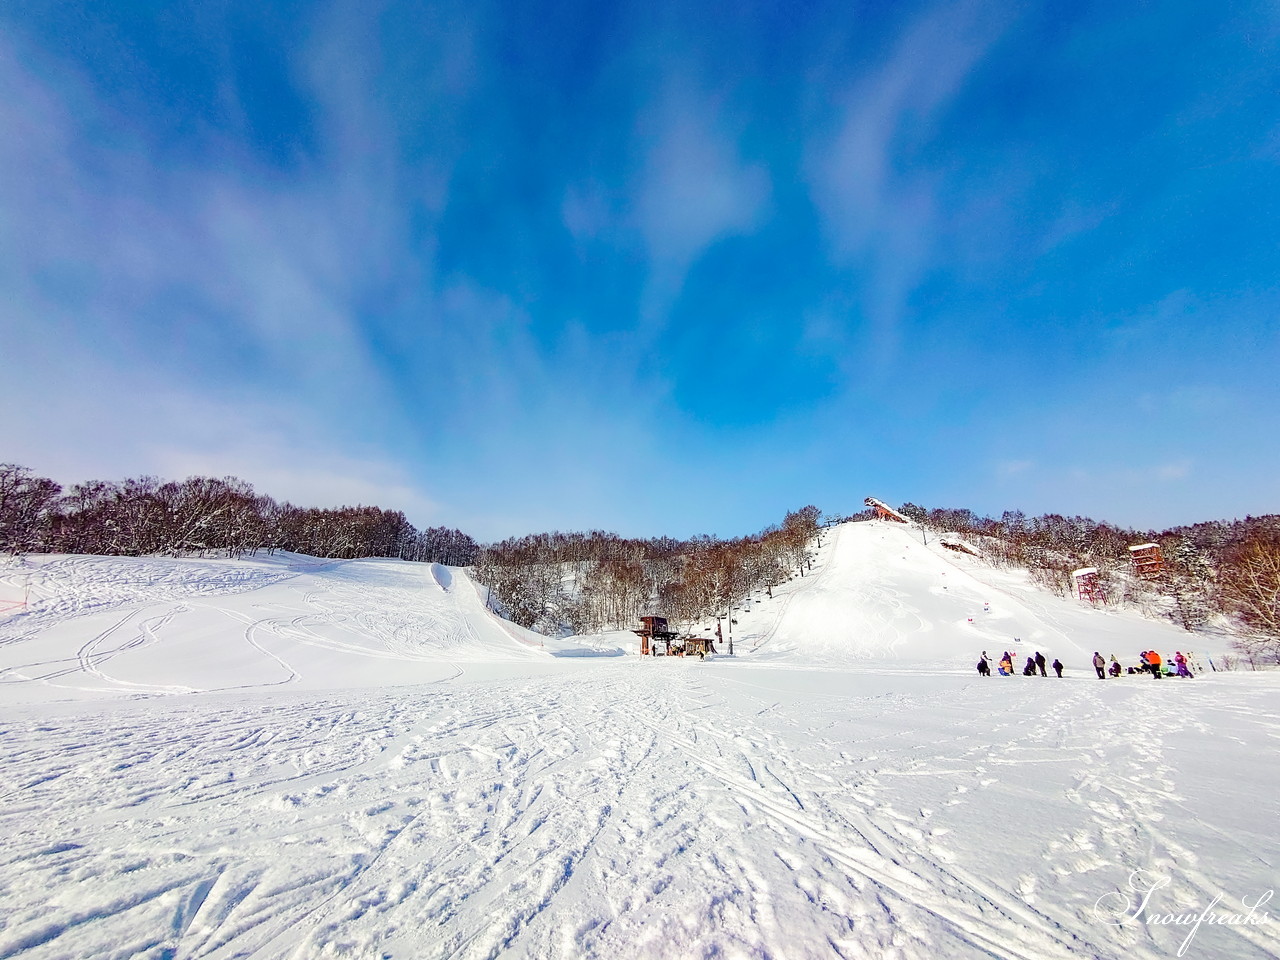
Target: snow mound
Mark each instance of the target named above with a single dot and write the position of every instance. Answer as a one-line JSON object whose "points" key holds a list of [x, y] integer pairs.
{"points": [[126, 626]]}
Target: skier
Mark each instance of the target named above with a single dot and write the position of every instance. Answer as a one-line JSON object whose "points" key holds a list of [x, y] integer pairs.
{"points": [[1040, 663], [1100, 665], [1181, 661], [1157, 665], [984, 668], [1057, 667]]}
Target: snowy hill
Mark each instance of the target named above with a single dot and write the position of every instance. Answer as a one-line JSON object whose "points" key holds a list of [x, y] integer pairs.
{"points": [[878, 595], [287, 758], [122, 626]]}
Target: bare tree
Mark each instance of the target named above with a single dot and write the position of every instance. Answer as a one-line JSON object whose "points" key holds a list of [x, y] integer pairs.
{"points": [[27, 505], [1251, 586]]}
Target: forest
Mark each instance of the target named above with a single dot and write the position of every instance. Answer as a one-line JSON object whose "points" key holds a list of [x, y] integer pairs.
{"points": [[1216, 568], [584, 582], [203, 515]]}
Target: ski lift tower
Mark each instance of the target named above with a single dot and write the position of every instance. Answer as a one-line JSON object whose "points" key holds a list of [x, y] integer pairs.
{"points": [[1147, 561], [1087, 585]]}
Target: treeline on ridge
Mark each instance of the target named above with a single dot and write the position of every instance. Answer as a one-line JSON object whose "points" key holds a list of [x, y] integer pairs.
{"points": [[1217, 567], [584, 581], [597, 581], [145, 516]]}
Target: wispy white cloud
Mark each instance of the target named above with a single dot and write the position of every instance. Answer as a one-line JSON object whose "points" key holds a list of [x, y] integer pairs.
{"points": [[696, 187], [153, 307], [878, 201], [1178, 470], [1012, 468]]}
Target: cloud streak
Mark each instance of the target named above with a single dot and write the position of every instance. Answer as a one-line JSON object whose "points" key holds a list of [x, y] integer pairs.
{"points": [[874, 188]]}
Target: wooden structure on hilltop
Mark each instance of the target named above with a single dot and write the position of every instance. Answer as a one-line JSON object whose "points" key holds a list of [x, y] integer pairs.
{"points": [[884, 511], [658, 640], [1087, 585], [1147, 561]]}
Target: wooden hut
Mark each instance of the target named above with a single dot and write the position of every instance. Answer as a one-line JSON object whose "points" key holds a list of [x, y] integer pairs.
{"points": [[1087, 585], [1147, 561], [698, 646]]}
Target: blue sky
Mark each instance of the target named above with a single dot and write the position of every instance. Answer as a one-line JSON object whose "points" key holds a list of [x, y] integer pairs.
{"points": [[655, 268]]}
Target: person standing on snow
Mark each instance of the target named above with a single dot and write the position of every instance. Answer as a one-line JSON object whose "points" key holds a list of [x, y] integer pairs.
{"points": [[1100, 665], [984, 668], [1057, 667], [1006, 665], [1157, 665], [1181, 661], [1040, 663]]}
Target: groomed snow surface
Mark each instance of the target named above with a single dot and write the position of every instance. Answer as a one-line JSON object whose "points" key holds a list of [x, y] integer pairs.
{"points": [[284, 757]]}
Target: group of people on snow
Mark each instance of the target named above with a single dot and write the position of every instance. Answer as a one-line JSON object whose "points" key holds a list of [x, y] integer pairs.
{"points": [[1151, 662], [1033, 665]]}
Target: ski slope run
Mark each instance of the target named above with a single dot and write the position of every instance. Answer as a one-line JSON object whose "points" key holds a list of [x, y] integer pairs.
{"points": [[878, 595], [115, 626]]}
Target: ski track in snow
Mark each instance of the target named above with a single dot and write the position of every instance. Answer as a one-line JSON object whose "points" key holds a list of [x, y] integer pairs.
{"points": [[779, 805]]}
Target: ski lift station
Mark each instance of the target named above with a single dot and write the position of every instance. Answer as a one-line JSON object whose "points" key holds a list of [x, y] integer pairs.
{"points": [[657, 639]]}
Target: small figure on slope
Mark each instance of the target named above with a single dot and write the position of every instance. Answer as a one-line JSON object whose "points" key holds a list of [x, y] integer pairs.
{"points": [[1040, 663], [1181, 661], [1057, 667], [1100, 665], [1029, 670], [1115, 668], [984, 668], [1157, 664]]}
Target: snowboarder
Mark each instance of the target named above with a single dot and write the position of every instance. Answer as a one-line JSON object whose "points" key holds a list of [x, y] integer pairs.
{"points": [[1040, 663], [1057, 667], [984, 668], [1100, 665]]}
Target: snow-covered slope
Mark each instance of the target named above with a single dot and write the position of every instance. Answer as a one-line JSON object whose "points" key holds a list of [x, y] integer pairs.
{"points": [[118, 626], [282, 758], [878, 594]]}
